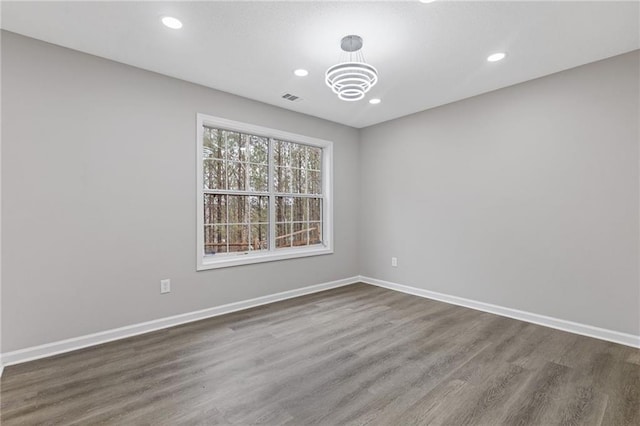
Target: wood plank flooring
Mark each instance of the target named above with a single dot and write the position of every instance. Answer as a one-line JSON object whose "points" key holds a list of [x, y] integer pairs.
{"points": [[354, 355]]}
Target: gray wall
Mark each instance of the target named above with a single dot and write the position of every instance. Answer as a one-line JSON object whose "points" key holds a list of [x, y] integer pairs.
{"points": [[526, 197], [98, 196]]}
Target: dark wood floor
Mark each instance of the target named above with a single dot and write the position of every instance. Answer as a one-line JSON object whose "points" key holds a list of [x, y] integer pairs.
{"points": [[353, 355]]}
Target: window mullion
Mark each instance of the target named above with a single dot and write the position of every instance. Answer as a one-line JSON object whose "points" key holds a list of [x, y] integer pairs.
{"points": [[308, 220], [295, 195], [272, 199], [232, 192], [225, 164]]}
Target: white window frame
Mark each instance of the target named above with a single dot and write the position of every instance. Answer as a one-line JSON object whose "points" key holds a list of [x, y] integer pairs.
{"points": [[249, 257]]}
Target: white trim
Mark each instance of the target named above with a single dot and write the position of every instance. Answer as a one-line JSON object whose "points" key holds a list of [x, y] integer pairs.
{"points": [[211, 262], [1, 368], [263, 256], [559, 324], [62, 346]]}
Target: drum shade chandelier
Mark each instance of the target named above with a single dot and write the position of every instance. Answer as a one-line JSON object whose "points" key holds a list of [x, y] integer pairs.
{"points": [[351, 78]]}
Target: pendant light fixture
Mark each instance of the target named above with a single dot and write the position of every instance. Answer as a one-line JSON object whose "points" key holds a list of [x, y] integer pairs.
{"points": [[352, 77]]}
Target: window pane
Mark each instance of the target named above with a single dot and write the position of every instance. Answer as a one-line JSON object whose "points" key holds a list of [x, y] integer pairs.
{"points": [[259, 209], [237, 175], [215, 209], [282, 179], [238, 209], [213, 144], [214, 174], [282, 154], [315, 209], [314, 158], [299, 181], [283, 235], [259, 237], [215, 239], [283, 209], [236, 146], [238, 238], [299, 234], [258, 177], [258, 150], [314, 182], [298, 155], [315, 233], [300, 209]]}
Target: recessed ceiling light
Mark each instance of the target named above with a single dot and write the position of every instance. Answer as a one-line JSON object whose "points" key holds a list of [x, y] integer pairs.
{"points": [[301, 73], [496, 57], [374, 101], [171, 22], [427, 1]]}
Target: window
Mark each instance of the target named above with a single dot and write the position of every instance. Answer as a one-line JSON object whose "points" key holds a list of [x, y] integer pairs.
{"points": [[263, 194]]}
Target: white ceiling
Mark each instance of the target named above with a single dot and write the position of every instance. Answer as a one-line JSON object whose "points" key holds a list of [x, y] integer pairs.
{"points": [[426, 54]]}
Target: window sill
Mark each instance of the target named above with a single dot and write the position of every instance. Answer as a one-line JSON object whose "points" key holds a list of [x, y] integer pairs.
{"points": [[211, 262]]}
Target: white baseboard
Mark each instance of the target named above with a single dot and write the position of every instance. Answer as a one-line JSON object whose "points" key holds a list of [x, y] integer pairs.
{"points": [[55, 348], [571, 327]]}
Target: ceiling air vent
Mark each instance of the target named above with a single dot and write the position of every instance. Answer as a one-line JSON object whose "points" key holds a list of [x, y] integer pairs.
{"points": [[292, 98]]}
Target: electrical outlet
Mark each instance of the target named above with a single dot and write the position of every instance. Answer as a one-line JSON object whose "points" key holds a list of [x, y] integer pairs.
{"points": [[165, 286], [394, 262]]}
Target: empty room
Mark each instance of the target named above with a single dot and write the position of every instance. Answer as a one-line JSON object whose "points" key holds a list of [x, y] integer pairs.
{"points": [[421, 212]]}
